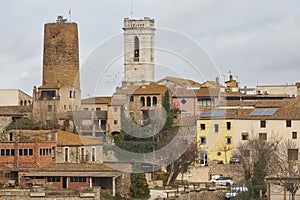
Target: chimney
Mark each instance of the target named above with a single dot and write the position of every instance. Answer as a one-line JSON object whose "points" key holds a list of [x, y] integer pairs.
{"points": [[245, 89]]}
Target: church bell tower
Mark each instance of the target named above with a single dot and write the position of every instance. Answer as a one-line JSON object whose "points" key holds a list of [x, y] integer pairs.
{"points": [[139, 50]]}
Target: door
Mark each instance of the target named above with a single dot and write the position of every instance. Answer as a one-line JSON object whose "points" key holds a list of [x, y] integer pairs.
{"points": [[64, 182]]}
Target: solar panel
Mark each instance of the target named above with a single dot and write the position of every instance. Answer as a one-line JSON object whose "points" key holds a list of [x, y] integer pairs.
{"points": [[218, 113], [263, 112], [206, 114], [213, 113]]}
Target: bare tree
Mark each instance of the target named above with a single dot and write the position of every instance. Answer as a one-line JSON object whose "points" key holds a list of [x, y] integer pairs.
{"points": [[255, 155], [225, 148], [285, 167]]}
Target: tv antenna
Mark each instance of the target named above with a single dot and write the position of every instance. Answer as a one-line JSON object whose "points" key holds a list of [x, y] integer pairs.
{"points": [[131, 12]]}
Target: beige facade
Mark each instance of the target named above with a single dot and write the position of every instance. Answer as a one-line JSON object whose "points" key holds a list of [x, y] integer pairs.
{"points": [[73, 148], [288, 90], [14, 98]]}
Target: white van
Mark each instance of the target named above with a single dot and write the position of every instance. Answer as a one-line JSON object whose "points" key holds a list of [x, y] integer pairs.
{"points": [[234, 191]]}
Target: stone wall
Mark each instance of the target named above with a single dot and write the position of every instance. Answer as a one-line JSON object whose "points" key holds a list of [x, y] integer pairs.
{"points": [[234, 171], [4, 122]]}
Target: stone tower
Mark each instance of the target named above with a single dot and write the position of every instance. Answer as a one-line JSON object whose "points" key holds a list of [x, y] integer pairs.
{"points": [[60, 92], [139, 50]]}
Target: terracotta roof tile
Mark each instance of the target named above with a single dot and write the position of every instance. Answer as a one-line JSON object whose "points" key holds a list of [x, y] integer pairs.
{"points": [[96, 100], [202, 92], [15, 110], [150, 89], [77, 167], [180, 81], [71, 139]]}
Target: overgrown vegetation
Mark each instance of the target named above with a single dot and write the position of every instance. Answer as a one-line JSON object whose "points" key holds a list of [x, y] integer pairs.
{"points": [[164, 135], [24, 123], [139, 187]]}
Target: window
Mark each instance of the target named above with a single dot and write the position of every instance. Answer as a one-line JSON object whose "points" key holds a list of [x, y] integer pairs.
{"points": [[30, 152], [203, 158], [202, 140], [202, 126], [288, 123], [77, 179], [86, 109], [216, 128], [93, 154], [294, 135], [263, 124], [228, 140], [65, 107], [115, 121], [136, 49], [7, 152], [70, 94], [82, 154], [262, 136], [228, 125], [292, 154], [49, 108], [25, 152], [245, 136], [154, 101], [131, 99], [204, 102], [115, 109], [53, 179], [44, 151], [21, 103], [142, 101], [98, 109], [74, 94], [148, 101], [66, 154]]}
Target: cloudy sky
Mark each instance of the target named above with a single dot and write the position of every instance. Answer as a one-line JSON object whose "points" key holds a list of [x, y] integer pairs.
{"points": [[257, 41]]}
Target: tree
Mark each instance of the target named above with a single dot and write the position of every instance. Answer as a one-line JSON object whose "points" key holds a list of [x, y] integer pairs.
{"points": [[166, 130], [139, 187], [24, 123], [285, 170], [275, 160], [181, 165], [255, 156]]}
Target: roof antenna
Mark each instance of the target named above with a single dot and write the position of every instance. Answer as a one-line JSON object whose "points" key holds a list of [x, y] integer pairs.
{"points": [[131, 12], [70, 15]]}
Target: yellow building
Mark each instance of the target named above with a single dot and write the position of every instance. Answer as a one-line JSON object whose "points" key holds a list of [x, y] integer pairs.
{"points": [[214, 136]]}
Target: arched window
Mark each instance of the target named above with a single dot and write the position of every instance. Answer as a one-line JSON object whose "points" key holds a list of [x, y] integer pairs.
{"points": [[29, 103], [148, 101], [143, 101], [21, 103], [25, 103], [136, 49], [154, 101]]}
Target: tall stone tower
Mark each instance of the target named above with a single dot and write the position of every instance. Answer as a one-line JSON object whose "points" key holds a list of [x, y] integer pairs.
{"points": [[139, 50], [60, 92]]}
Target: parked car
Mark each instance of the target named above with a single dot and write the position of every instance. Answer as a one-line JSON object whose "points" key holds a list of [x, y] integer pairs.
{"points": [[222, 181], [234, 160], [234, 191]]}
